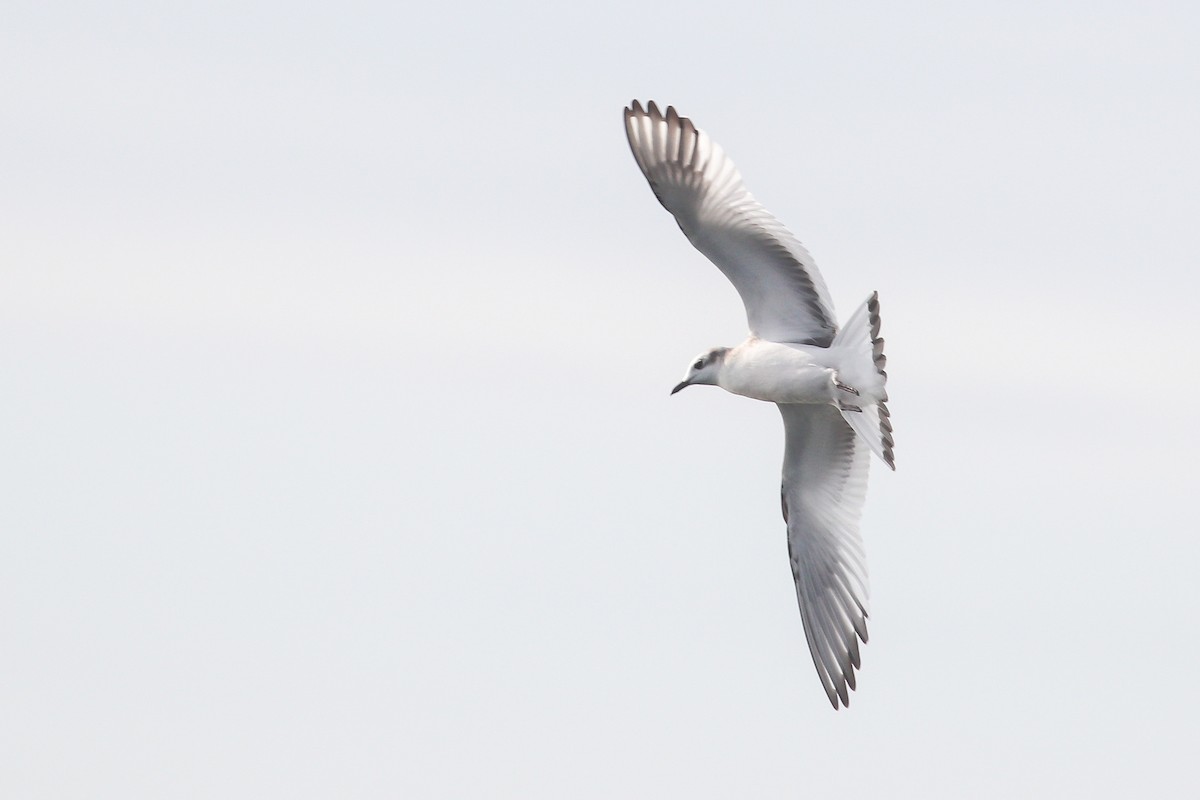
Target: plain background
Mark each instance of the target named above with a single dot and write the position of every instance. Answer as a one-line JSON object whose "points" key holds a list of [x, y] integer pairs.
{"points": [[337, 455]]}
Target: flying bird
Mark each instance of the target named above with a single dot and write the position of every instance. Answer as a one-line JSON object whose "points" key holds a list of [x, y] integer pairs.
{"points": [[828, 383]]}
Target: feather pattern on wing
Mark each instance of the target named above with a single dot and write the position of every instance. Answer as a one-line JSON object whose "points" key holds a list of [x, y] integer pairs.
{"points": [[784, 294], [824, 487]]}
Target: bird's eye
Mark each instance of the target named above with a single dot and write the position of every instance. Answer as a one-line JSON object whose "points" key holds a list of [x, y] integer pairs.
{"points": [[699, 364]]}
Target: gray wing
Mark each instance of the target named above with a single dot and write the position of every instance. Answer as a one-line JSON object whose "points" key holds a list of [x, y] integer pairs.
{"points": [[824, 487], [785, 297]]}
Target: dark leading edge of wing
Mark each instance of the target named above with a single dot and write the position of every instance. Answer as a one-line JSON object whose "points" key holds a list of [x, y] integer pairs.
{"points": [[784, 295], [825, 468]]}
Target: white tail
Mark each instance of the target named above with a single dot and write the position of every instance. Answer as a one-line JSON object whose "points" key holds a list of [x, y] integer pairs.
{"points": [[862, 365]]}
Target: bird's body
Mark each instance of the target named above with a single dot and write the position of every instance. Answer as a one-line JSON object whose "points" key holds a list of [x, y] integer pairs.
{"points": [[829, 383], [779, 372]]}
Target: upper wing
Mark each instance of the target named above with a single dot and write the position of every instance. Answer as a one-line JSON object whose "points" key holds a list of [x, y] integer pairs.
{"points": [[824, 487], [785, 298]]}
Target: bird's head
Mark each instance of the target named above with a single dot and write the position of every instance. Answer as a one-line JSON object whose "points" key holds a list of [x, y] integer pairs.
{"points": [[704, 368]]}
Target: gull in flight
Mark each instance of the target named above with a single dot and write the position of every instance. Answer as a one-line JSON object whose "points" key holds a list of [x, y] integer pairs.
{"points": [[829, 384]]}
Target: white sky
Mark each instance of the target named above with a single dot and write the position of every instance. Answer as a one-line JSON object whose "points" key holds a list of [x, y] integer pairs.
{"points": [[338, 461]]}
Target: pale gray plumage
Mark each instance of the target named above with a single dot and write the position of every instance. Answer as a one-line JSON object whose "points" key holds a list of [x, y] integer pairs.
{"points": [[824, 487], [828, 439], [785, 297]]}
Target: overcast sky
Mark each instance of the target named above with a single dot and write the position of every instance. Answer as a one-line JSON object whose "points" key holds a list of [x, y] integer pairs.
{"points": [[337, 454]]}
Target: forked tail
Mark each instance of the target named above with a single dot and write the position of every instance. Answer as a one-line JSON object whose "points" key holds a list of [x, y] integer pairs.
{"points": [[863, 367]]}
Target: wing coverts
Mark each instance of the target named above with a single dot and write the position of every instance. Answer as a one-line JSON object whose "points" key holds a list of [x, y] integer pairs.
{"points": [[784, 295]]}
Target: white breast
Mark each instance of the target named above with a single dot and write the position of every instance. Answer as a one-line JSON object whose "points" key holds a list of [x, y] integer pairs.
{"points": [[777, 373]]}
